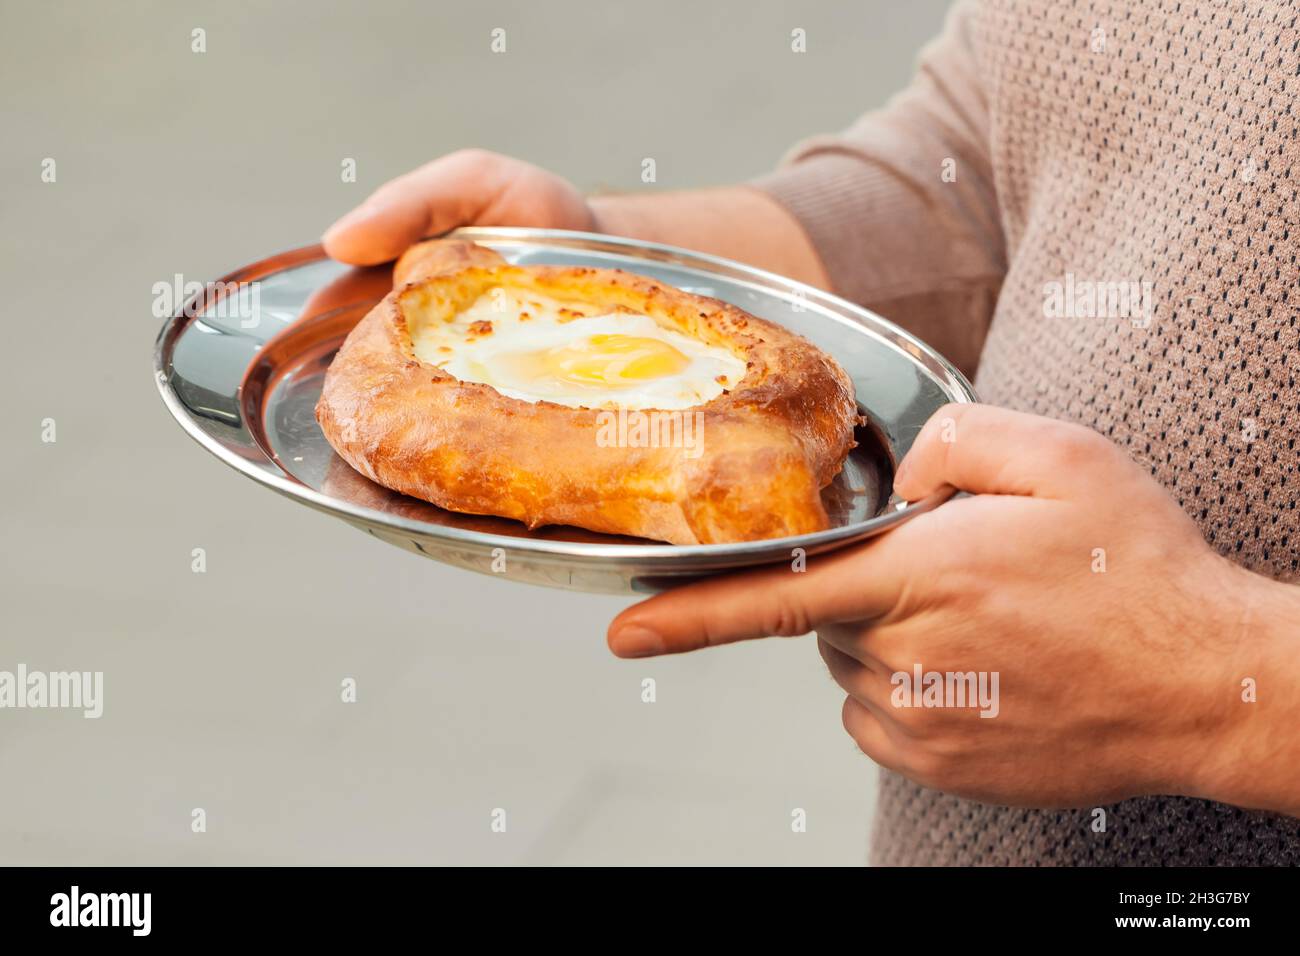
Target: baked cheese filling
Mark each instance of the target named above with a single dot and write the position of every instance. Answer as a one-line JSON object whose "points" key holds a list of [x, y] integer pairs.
{"points": [[534, 348]]}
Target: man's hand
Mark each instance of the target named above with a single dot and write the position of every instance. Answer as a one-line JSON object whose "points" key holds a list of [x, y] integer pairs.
{"points": [[473, 187], [469, 187], [1119, 639]]}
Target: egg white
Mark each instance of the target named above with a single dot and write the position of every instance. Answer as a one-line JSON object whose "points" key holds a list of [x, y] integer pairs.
{"points": [[484, 343]]}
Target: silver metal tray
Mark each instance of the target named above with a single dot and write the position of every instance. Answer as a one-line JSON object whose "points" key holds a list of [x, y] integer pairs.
{"points": [[242, 378]]}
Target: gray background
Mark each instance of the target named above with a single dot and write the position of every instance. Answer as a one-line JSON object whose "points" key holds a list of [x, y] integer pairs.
{"points": [[222, 689]]}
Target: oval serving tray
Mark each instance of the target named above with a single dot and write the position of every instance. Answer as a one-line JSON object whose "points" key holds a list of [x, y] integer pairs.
{"points": [[241, 374]]}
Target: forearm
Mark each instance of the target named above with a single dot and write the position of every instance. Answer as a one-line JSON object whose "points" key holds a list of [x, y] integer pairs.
{"points": [[736, 222], [1255, 763]]}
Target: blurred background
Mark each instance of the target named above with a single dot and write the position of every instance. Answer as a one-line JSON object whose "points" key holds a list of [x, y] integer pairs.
{"points": [[222, 689]]}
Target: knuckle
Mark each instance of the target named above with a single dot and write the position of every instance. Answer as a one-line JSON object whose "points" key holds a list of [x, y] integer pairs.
{"points": [[473, 155], [389, 189], [787, 618], [851, 719], [913, 720], [1077, 446], [472, 159], [944, 422], [897, 656], [953, 410], [858, 725], [928, 767]]}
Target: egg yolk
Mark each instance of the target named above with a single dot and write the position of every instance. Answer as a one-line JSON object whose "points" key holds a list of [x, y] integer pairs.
{"points": [[605, 360]]}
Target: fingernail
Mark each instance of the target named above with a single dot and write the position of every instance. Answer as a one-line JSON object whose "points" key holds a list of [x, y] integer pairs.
{"points": [[637, 641], [904, 467]]}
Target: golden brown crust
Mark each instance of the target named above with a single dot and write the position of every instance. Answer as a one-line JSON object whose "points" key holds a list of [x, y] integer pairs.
{"points": [[770, 443]]}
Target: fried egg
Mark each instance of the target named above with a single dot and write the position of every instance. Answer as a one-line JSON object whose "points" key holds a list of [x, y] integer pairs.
{"points": [[530, 347]]}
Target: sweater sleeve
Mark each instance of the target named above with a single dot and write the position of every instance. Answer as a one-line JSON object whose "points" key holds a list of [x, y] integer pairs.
{"points": [[901, 206]]}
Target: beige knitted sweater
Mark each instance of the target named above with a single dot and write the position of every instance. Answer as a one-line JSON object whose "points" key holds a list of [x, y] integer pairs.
{"points": [[1141, 144]]}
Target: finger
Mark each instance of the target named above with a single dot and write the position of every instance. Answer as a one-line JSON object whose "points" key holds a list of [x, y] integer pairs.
{"points": [[986, 450], [854, 584], [864, 683], [441, 195], [858, 640], [870, 732]]}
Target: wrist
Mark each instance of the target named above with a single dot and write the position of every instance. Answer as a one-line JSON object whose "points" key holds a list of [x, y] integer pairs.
{"points": [[618, 216], [1251, 758]]}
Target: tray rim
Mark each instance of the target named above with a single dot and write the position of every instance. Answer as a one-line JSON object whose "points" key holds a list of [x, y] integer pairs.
{"points": [[958, 387]]}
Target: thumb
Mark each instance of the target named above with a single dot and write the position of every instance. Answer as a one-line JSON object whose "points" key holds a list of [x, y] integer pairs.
{"points": [[451, 191], [848, 585], [982, 449]]}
